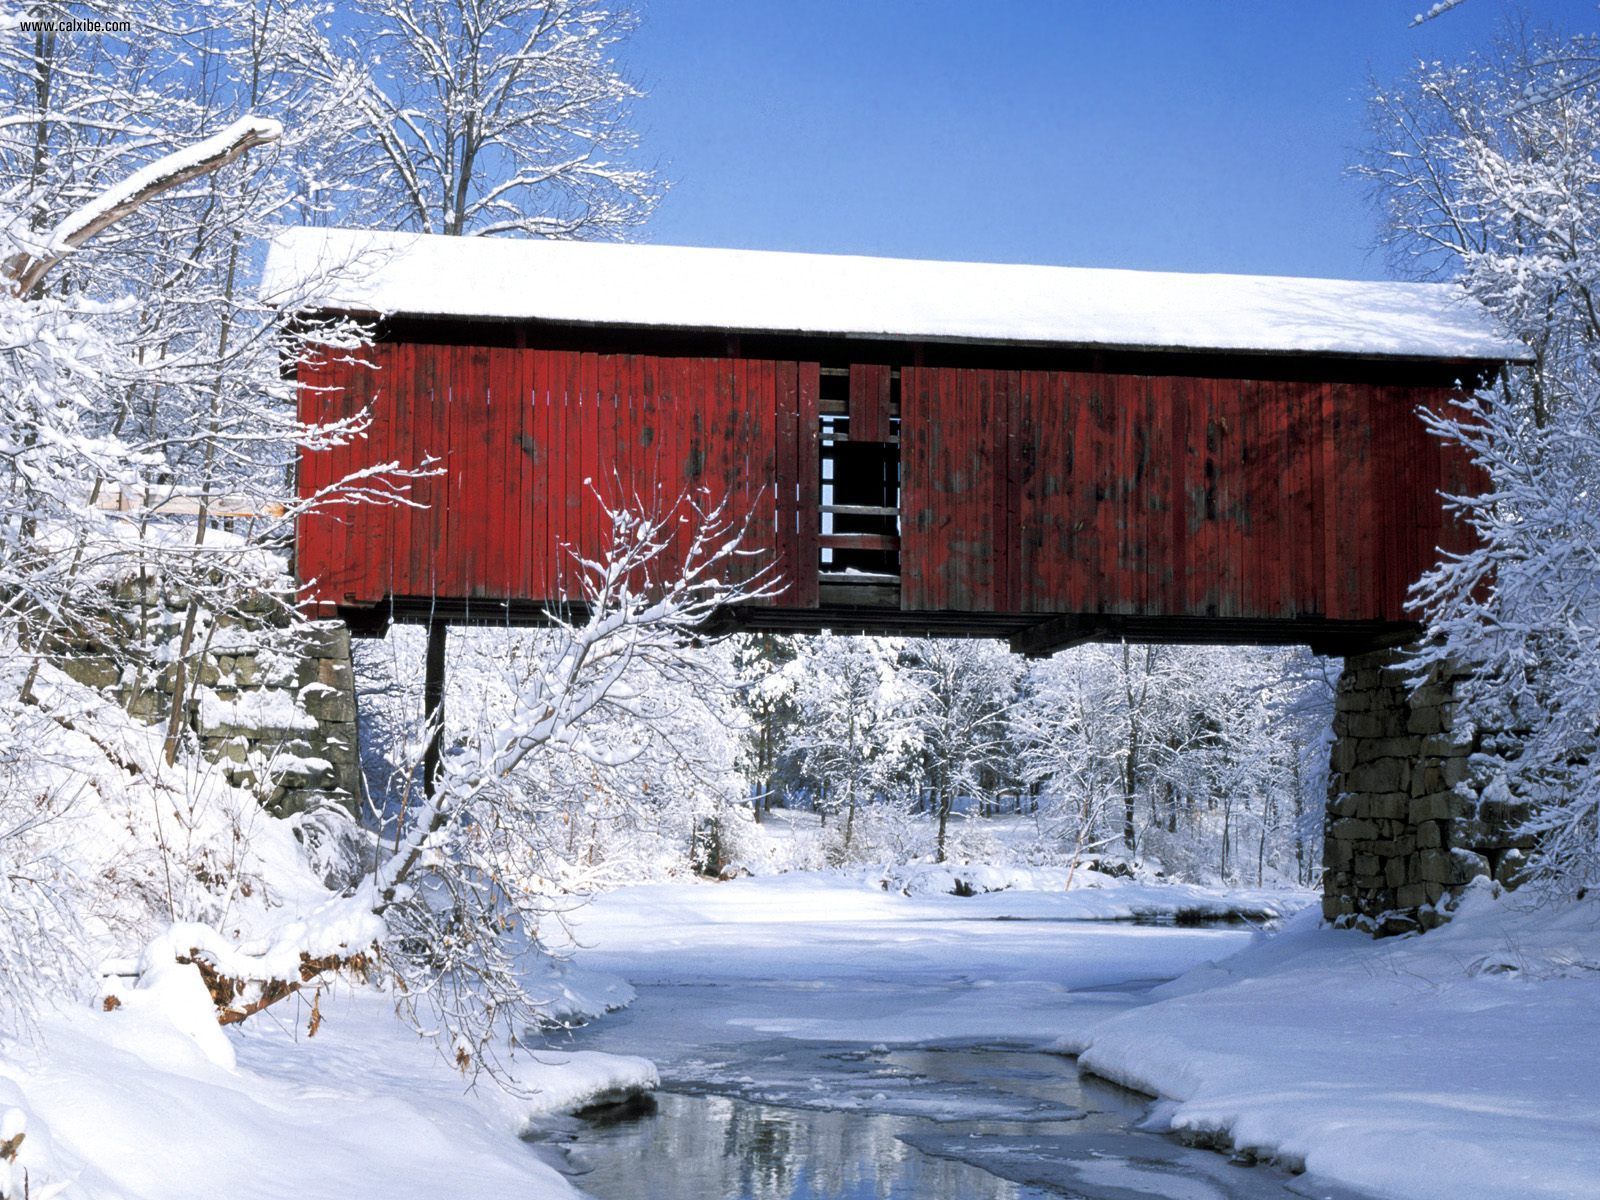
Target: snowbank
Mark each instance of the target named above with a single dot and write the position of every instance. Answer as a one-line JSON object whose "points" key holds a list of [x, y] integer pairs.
{"points": [[552, 1082], [127, 1104], [1459, 1063]]}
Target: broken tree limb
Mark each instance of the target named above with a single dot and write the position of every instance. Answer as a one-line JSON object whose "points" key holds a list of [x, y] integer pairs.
{"points": [[111, 205]]}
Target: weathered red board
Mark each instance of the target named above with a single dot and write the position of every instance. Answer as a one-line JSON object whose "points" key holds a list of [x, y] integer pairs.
{"points": [[532, 448], [1025, 493], [1077, 492]]}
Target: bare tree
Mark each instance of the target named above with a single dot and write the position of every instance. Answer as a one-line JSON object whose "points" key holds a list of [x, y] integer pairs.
{"points": [[493, 117], [963, 699]]}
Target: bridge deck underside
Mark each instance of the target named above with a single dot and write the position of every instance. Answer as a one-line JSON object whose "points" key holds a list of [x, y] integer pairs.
{"points": [[1028, 633]]}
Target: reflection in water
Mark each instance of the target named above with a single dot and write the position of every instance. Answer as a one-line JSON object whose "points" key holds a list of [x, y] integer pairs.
{"points": [[716, 1148]]}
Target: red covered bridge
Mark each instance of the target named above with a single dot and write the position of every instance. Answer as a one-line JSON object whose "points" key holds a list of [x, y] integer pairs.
{"points": [[1042, 453]]}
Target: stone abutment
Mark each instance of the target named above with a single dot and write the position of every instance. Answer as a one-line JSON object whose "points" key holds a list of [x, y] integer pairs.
{"points": [[1406, 827]]}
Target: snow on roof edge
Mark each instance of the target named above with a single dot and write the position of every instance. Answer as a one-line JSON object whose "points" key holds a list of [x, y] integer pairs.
{"points": [[764, 291]]}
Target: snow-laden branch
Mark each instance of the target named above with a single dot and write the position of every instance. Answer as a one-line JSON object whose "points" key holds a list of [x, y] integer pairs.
{"points": [[111, 205]]}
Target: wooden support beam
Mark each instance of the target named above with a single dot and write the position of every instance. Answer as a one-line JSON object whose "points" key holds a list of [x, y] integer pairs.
{"points": [[433, 702], [1058, 633], [859, 541]]}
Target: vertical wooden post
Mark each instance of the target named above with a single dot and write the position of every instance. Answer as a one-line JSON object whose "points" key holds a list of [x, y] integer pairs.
{"points": [[433, 702]]}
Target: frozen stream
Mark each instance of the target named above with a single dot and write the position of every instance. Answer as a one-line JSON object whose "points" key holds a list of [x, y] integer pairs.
{"points": [[882, 1048]]}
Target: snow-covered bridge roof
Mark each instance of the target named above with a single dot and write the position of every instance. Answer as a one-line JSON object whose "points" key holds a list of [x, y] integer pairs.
{"points": [[760, 291]]}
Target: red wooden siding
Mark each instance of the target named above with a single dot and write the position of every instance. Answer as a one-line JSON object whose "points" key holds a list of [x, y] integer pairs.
{"points": [[1023, 492], [1070, 492], [535, 445]]}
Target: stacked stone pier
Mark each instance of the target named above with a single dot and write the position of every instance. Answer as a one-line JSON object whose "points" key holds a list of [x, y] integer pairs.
{"points": [[1411, 820]]}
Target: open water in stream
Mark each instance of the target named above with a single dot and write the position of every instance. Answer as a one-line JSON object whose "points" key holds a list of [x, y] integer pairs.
{"points": [[777, 1118]]}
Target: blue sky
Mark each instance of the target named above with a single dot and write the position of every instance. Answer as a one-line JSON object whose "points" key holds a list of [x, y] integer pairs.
{"points": [[1192, 135]]}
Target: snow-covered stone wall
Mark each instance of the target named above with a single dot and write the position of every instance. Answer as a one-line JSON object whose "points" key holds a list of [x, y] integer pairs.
{"points": [[1408, 825], [274, 704]]}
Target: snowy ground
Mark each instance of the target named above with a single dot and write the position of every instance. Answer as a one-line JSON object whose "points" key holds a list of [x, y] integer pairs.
{"points": [[125, 1105], [1462, 1063], [1459, 1063], [1456, 1064]]}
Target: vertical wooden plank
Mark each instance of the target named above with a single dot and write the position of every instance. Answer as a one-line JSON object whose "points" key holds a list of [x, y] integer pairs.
{"points": [[1379, 593], [491, 494], [642, 443], [605, 480], [1229, 394], [808, 475], [868, 404], [970, 484], [957, 491], [1301, 405], [309, 553], [452, 562], [1025, 454], [1180, 405], [670, 466], [1201, 475], [1133, 544], [978, 575], [755, 467], [949, 514], [618, 446], [1428, 453], [917, 400], [518, 475], [536, 472], [1226, 439], [1043, 403], [395, 359], [994, 575], [359, 573], [560, 457], [685, 415], [456, 560], [721, 397], [1250, 497], [419, 417], [586, 513], [1099, 426], [1152, 487], [1009, 468], [418, 414], [624, 448], [1367, 582], [1331, 525], [1269, 507], [329, 377], [1058, 568], [512, 541], [348, 387], [425, 413], [702, 426], [786, 482], [564, 469], [570, 499], [370, 522]]}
